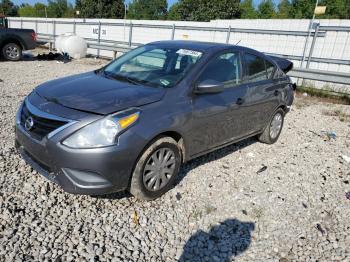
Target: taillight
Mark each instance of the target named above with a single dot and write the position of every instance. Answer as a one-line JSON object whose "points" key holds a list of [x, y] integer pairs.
{"points": [[34, 36]]}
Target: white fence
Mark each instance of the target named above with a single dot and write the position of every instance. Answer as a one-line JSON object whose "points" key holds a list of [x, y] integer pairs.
{"points": [[328, 47]]}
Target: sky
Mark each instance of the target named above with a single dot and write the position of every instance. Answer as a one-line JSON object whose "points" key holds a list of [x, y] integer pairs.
{"points": [[170, 2]]}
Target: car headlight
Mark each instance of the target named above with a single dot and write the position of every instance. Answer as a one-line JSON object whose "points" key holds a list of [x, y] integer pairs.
{"points": [[102, 132]]}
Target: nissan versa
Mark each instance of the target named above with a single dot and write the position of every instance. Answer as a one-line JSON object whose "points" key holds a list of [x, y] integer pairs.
{"points": [[131, 124]]}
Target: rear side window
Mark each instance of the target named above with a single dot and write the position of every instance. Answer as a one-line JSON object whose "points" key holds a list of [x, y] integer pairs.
{"points": [[270, 69], [279, 74], [255, 66], [225, 68]]}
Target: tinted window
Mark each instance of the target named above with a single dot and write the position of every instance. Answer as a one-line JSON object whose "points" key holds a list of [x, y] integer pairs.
{"points": [[270, 68], [279, 74], [225, 68], [255, 68]]}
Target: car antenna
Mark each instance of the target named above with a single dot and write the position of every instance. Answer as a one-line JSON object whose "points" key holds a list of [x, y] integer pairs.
{"points": [[238, 42]]}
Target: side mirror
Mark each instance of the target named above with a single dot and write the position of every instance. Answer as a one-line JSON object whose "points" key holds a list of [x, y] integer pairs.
{"points": [[209, 87]]}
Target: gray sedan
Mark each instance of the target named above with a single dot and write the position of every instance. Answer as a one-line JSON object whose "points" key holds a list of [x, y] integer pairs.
{"points": [[131, 124]]}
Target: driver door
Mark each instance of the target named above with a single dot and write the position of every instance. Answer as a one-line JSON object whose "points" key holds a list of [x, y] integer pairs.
{"points": [[219, 118]]}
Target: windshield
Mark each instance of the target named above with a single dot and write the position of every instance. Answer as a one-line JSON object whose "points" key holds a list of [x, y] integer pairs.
{"points": [[153, 66]]}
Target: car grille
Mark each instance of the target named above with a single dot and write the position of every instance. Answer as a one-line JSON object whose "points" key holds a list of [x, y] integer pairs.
{"points": [[41, 126]]}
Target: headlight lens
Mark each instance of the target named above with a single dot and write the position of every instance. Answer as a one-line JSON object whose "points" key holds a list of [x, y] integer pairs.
{"points": [[102, 132]]}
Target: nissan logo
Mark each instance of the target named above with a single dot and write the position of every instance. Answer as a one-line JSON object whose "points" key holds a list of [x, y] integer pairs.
{"points": [[29, 123]]}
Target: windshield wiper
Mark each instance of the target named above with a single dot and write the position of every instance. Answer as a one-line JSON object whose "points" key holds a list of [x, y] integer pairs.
{"points": [[122, 78], [128, 79], [132, 80]]}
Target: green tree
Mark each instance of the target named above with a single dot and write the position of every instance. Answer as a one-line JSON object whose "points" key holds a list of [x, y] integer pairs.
{"points": [[70, 12], [337, 9], [8, 8], [206, 10], [284, 9], [39, 10], [26, 10], [57, 8], [148, 9], [100, 8], [266, 9], [302, 9], [174, 13], [247, 10]]}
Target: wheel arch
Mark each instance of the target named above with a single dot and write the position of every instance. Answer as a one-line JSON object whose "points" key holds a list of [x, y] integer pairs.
{"points": [[283, 107], [172, 134]]}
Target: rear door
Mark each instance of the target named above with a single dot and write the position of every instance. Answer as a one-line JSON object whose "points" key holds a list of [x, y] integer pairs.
{"points": [[263, 92]]}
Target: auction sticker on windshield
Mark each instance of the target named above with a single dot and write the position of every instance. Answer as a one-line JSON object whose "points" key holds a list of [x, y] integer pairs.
{"points": [[189, 52]]}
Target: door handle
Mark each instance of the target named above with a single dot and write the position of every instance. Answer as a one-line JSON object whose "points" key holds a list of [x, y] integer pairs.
{"points": [[239, 101]]}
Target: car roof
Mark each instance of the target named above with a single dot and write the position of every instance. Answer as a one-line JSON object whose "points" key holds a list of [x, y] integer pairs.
{"points": [[201, 46]]}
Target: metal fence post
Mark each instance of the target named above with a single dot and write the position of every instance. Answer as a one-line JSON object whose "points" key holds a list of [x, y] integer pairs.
{"points": [[173, 32], [228, 35], [306, 43], [130, 34], [21, 23], [54, 33], [36, 26], [75, 27], [99, 37], [312, 45]]}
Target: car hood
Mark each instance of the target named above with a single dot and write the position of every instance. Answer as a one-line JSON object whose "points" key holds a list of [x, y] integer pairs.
{"points": [[91, 92]]}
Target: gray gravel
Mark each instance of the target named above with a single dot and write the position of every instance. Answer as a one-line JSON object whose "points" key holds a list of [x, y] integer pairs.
{"points": [[221, 209]]}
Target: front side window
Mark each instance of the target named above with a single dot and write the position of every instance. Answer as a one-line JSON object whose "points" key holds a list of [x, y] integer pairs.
{"points": [[225, 68], [255, 66], [153, 66]]}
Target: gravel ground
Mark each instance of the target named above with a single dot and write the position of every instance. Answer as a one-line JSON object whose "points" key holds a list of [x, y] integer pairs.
{"points": [[222, 209]]}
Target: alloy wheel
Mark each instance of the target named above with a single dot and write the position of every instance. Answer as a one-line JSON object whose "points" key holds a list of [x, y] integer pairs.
{"points": [[12, 52], [276, 125]]}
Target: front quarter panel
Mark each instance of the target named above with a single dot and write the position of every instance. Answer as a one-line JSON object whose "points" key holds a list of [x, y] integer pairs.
{"points": [[170, 114]]}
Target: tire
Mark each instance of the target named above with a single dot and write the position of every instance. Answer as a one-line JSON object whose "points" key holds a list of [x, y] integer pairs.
{"points": [[162, 174], [274, 128], [12, 52]]}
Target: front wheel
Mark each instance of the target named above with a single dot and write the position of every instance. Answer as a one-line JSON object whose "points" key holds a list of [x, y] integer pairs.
{"points": [[274, 128], [156, 169], [12, 52]]}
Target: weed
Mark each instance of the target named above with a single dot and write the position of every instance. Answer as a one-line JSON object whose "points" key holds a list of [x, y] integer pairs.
{"points": [[343, 117], [209, 209], [197, 214], [328, 95]]}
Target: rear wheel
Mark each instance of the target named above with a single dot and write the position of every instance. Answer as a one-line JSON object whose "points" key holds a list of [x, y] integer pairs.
{"points": [[274, 128], [156, 169], [12, 52]]}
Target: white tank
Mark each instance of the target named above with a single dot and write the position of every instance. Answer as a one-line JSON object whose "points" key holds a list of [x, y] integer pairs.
{"points": [[60, 40], [75, 46]]}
